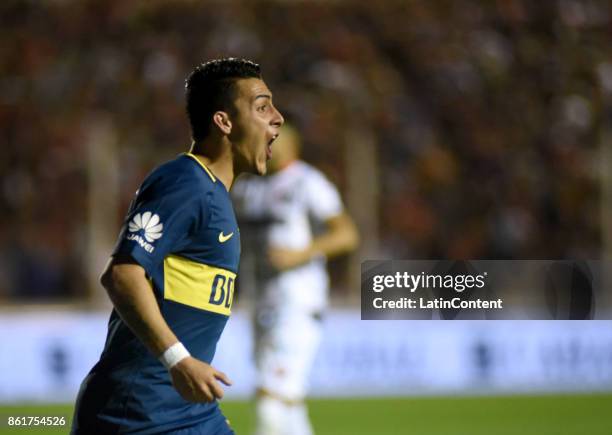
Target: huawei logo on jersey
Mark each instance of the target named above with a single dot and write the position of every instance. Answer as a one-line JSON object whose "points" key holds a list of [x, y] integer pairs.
{"points": [[152, 229], [149, 223]]}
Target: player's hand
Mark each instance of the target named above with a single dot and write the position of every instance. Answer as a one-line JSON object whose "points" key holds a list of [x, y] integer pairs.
{"points": [[283, 259], [196, 381]]}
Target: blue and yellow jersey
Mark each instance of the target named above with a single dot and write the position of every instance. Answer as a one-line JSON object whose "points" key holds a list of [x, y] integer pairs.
{"points": [[182, 230]]}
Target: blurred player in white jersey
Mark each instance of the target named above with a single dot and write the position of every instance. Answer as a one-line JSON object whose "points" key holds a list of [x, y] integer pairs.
{"points": [[296, 221]]}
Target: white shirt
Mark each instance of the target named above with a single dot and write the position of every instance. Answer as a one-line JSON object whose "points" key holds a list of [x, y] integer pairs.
{"points": [[284, 210]]}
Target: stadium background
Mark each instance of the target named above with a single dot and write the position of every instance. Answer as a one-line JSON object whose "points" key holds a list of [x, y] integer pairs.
{"points": [[454, 129]]}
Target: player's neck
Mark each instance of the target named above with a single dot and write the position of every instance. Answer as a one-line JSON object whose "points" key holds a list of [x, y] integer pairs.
{"points": [[218, 159]]}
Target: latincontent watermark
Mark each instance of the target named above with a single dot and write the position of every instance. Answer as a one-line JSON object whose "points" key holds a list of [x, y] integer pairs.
{"points": [[542, 289], [413, 282]]}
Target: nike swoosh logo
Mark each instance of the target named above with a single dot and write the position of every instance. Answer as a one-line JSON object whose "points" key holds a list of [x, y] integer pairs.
{"points": [[223, 238]]}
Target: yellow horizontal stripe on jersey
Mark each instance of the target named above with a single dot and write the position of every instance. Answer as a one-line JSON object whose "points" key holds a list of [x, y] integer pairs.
{"points": [[198, 285]]}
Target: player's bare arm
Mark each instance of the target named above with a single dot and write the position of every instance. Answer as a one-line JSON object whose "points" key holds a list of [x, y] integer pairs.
{"points": [[340, 237], [134, 300]]}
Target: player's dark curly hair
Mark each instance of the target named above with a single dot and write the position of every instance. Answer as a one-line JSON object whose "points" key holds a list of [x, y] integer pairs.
{"points": [[210, 87]]}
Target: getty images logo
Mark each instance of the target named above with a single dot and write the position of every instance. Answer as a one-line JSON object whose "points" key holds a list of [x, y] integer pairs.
{"points": [[151, 226]]}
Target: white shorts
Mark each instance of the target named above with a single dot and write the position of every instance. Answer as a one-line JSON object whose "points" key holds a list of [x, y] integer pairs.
{"points": [[286, 343]]}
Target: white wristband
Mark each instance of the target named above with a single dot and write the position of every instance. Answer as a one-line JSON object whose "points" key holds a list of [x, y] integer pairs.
{"points": [[173, 355]]}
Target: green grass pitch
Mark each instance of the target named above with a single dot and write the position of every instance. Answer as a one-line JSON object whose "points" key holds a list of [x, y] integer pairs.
{"points": [[508, 415]]}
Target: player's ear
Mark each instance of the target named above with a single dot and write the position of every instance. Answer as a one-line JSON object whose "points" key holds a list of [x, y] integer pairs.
{"points": [[222, 121]]}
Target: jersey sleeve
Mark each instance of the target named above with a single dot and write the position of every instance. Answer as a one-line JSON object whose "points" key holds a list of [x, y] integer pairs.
{"points": [[322, 197], [159, 223]]}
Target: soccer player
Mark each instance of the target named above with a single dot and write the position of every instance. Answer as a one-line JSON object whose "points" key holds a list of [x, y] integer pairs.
{"points": [[295, 214], [171, 276]]}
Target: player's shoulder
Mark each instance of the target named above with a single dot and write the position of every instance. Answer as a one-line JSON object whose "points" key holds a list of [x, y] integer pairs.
{"points": [[309, 172], [182, 174]]}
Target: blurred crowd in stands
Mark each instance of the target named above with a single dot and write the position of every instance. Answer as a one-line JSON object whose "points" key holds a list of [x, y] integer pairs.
{"points": [[486, 115]]}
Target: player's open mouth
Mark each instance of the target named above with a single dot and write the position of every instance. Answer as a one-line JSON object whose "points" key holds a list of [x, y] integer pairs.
{"points": [[269, 147]]}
